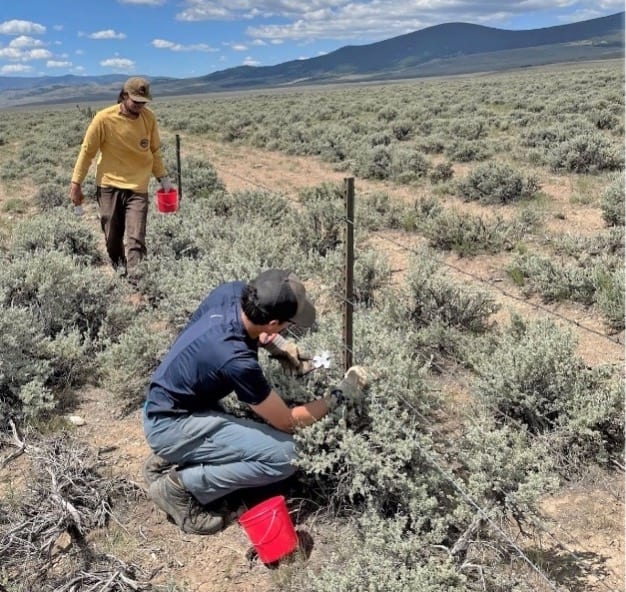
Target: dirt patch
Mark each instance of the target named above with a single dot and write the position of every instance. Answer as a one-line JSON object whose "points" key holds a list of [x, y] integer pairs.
{"points": [[592, 517]]}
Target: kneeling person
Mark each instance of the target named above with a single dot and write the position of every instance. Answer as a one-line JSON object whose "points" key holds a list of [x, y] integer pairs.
{"points": [[202, 453]]}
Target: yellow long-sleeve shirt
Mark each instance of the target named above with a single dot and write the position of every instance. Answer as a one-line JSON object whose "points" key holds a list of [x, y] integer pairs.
{"points": [[130, 150]]}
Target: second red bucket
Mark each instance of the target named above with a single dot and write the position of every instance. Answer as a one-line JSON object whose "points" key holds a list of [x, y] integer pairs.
{"points": [[270, 529], [167, 201]]}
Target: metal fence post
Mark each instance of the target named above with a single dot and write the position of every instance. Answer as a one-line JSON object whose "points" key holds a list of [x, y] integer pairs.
{"points": [[348, 307], [178, 174]]}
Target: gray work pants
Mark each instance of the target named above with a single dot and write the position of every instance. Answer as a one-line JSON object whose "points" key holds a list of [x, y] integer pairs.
{"points": [[218, 453], [122, 211]]}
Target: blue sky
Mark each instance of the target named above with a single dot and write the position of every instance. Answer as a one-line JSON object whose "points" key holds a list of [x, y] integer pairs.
{"points": [[185, 38]]}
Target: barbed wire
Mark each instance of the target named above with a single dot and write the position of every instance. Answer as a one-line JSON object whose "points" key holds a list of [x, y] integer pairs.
{"points": [[443, 371], [458, 269]]}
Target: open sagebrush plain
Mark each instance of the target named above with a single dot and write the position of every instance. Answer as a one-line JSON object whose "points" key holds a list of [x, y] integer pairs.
{"points": [[488, 303]]}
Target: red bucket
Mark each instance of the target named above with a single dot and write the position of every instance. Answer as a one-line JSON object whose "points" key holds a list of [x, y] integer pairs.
{"points": [[270, 529], [167, 201]]}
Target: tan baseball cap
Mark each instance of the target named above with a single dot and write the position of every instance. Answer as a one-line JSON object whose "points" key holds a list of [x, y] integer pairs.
{"points": [[138, 89]]}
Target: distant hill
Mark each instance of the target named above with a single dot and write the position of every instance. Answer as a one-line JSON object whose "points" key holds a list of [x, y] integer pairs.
{"points": [[452, 48]]}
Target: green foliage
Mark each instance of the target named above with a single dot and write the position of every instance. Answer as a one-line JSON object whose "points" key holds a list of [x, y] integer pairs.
{"points": [[200, 178], [25, 367], [553, 279], [468, 235], [56, 230], [51, 195], [442, 171], [613, 202], [589, 152], [63, 294], [609, 284], [126, 366], [495, 182], [533, 376], [380, 554], [375, 211], [594, 278], [320, 225], [374, 164], [407, 165]]}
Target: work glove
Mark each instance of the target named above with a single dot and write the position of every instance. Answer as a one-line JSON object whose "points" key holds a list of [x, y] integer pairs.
{"points": [[292, 360], [349, 389], [166, 184]]}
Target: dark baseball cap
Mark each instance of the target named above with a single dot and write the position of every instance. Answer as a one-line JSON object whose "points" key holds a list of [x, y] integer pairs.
{"points": [[138, 89], [282, 295]]}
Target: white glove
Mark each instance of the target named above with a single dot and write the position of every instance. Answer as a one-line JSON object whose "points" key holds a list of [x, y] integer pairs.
{"points": [[166, 184]]}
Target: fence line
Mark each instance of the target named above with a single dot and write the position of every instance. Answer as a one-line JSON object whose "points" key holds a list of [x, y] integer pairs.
{"points": [[349, 353], [477, 278]]}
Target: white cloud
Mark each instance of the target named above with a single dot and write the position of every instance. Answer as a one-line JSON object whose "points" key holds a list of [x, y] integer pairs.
{"points": [[143, 2], [16, 27], [370, 20], [118, 64], [238, 47], [250, 61], [23, 41], [58, 64], [259, 42], [164, 44], [15, 69], [18, 54], [107, 34]]}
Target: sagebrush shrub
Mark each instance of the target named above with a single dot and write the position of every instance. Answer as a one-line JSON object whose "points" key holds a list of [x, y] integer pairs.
{"points": [[587, 153], [613, 202], [554, 279], [127, 365], [62, 294], [534, 377], [25, 367], [374, 163], [56, 230], [496, 182], [200, 179]]}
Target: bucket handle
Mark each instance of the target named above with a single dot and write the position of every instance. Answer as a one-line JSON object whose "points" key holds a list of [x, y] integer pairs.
{"points": [[269, 528]]}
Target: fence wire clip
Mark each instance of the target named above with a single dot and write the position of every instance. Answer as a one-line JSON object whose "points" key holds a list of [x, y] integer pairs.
{"points": [[321, 360]]}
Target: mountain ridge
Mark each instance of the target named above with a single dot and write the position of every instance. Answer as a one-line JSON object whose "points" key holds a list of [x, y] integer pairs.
{"points": [[444, 49]]}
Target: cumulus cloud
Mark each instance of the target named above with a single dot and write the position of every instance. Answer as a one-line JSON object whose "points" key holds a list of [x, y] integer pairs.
{"points": [[21, 54], [373, 19], [118, 64], [15, 69], [16, 27], [58, 64], [164, 44], [107, 34], [250, 61], [23, 42]]}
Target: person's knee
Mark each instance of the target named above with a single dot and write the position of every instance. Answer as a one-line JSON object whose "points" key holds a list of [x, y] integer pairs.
{"points": [[284, 458]]}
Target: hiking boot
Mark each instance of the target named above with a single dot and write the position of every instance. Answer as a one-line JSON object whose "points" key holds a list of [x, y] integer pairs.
{"points": [[154, 467], [183, 508]]}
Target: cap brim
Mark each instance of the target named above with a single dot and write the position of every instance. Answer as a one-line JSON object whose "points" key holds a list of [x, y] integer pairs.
{"points": [[139, 98], [305, 315]]}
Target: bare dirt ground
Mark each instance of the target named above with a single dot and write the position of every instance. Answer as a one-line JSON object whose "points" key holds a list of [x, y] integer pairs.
{"points": [[588, 521]]}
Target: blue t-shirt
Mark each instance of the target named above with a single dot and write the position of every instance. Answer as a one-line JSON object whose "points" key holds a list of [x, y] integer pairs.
{"points": [[212, 357]]}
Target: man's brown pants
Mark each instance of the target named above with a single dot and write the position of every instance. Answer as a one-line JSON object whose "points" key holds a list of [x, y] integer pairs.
{"points": [[123, 211]]}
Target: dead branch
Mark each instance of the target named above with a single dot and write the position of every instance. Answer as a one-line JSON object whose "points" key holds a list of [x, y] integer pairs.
{"points": [[20, 443]]}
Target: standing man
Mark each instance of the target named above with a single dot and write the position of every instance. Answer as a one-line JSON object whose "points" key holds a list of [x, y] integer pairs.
{"points": [[127, 137], [202, 453]]}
